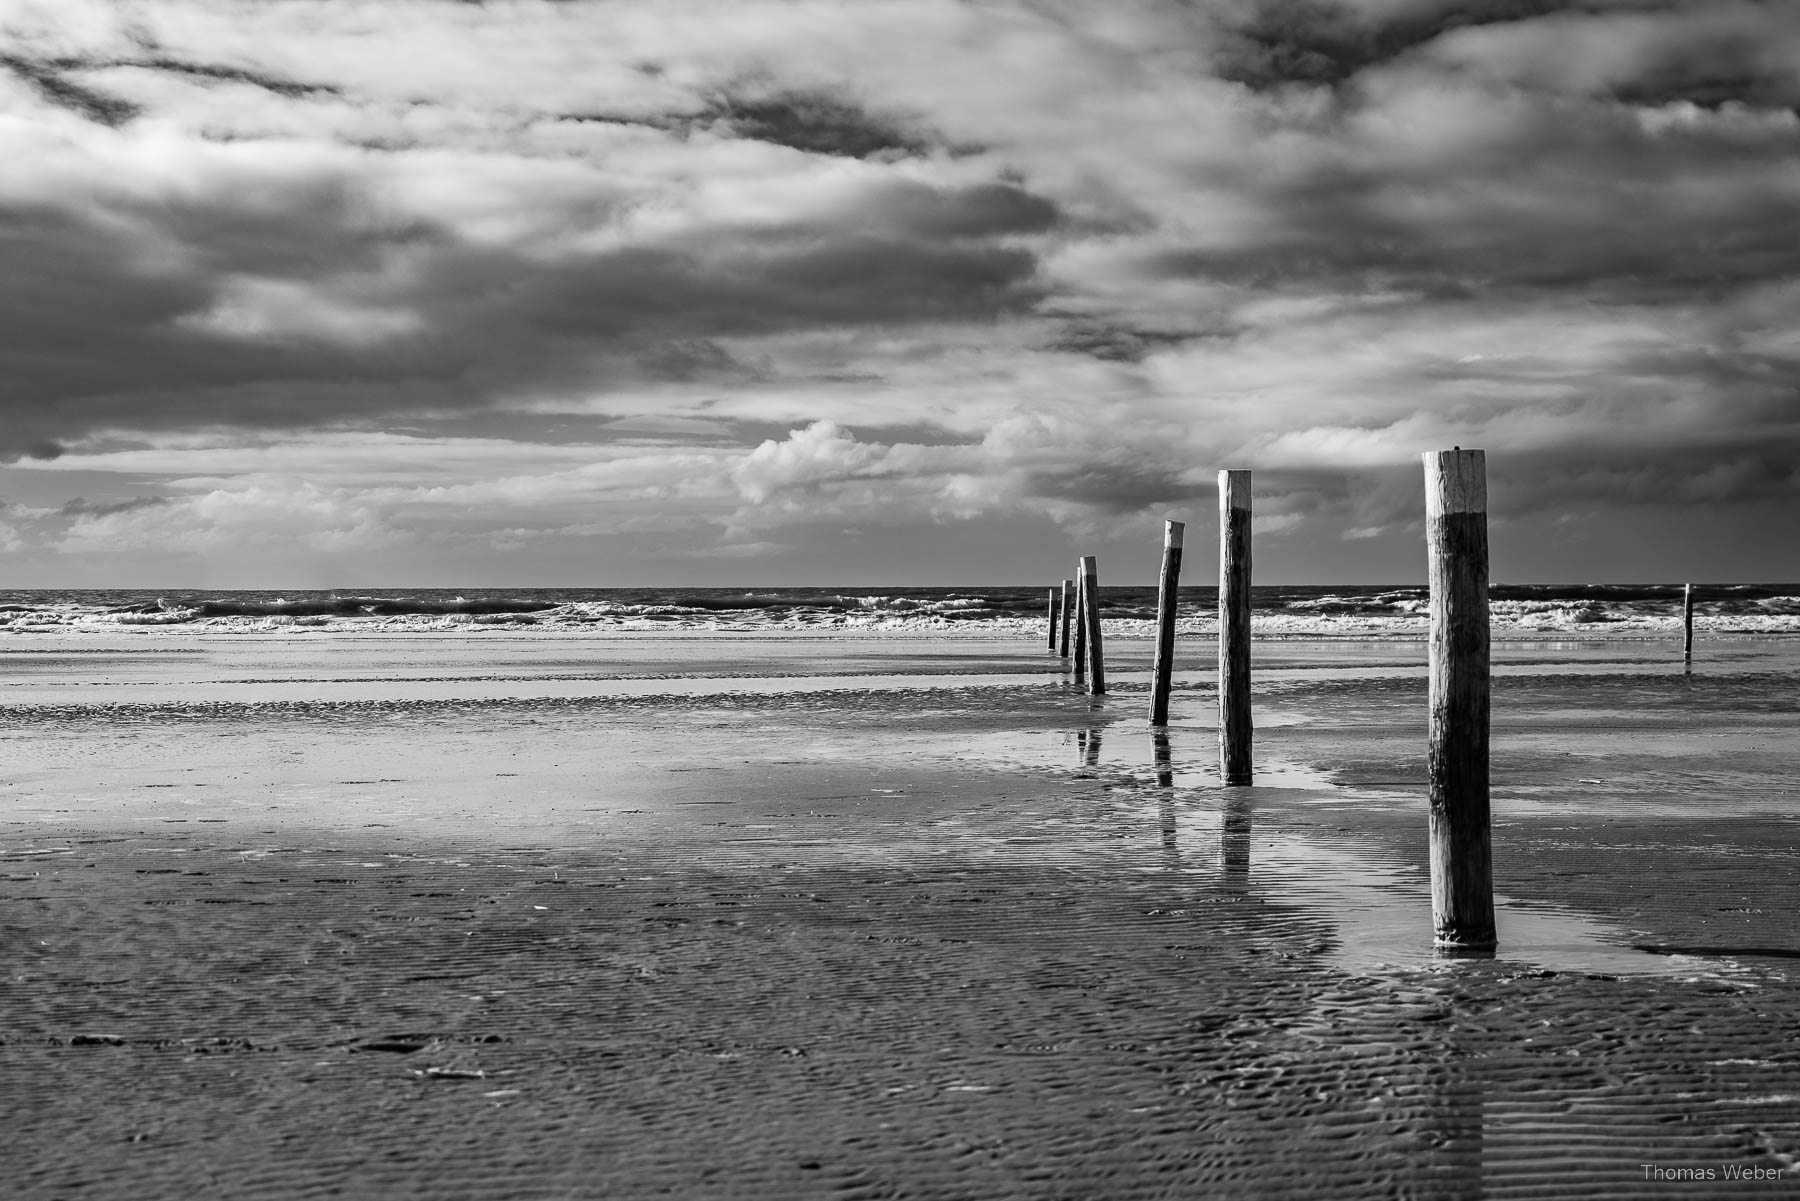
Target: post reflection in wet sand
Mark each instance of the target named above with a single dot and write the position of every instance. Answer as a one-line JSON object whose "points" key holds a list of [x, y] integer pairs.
{"points": [[1165, 779], [1088, 742], [1234, 836]]}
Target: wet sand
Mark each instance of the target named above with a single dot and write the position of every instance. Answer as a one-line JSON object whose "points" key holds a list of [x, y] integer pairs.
{"points": [[786, 916]]}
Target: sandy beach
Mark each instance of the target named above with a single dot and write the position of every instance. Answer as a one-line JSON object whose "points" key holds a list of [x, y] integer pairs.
{"points": [[782, 915]]}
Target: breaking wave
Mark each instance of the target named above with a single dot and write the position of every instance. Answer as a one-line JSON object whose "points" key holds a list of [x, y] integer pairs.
{"points": [[1398, 611]]}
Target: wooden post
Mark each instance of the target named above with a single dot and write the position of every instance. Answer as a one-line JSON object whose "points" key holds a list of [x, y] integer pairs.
{"points": [[1054, 596], [1081, 608], [1234, 627], [1068, 594], [1162, 678], [1462, 877], [1090, 590], [1687, 624]]}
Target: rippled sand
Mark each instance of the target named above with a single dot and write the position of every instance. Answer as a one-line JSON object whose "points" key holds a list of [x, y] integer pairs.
{"points": [[782, 916]]}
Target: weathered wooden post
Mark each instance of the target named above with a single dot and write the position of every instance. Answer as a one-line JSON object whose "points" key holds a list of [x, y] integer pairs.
{"points": [[1068, 594], [1051, 609], [1081, 608], [1462, 877], [1162, 678], [1090, 591], [1234, 627], [1687, 624]]}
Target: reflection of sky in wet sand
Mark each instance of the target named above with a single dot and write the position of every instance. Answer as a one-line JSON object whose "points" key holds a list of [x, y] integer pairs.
{"points": [[1380, 905], [1382, 909]]}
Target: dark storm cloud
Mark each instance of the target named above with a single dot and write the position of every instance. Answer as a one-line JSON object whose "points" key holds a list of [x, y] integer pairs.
{"points": [[816, 122], [688, 359], [53, 84], [856, 281], [1113, 343], [97, 342], [1674, 477], [1114, 487], [224, 74], [81, 506], [1325, 43], [1608, 208]]}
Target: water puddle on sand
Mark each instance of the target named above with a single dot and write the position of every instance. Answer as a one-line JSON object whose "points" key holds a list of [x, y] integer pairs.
{"points": [[1381, 906], [1141, 755]]}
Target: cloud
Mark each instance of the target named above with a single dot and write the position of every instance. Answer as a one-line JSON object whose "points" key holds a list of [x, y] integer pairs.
{"points": [[54, 85], [1053, 262], [815, 122]]}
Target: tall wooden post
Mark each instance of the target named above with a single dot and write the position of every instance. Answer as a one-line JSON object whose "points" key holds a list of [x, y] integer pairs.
{"points": [[1081, 608], [1090, 591], [1162, 679], [1687, 624], [1068, 595], [1234, 627], [1051, 609], [1462, 876]]}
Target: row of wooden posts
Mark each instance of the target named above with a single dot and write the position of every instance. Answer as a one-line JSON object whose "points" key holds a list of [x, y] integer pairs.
{"points": [[1462, 891], [1462, 894]]}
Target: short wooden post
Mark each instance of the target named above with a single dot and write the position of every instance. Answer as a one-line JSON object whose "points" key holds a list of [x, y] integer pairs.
{"points": [[1081, 608], [1068, 595], [1090, 590], [1051, 609], [1687, 624], [1462, 878], [1234, 627], [1162, 679]]}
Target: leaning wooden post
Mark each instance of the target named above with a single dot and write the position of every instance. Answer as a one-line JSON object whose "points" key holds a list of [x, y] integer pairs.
{"points": [[1051, 608], [1234, 627], [1462, 876], [1687, 624], [1163, 673], [1081, 608], [1068, 594], [1090, 591]]}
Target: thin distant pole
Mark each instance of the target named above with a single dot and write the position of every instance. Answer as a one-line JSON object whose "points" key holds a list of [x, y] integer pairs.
{"points": [[1462, 875], [1081, 626], [1687, 624], [1051, 607], [1235, 731], [1090, 589], [1163, 672], [1068, 595]]}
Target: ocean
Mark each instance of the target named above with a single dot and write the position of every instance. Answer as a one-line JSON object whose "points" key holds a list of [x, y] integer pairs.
{"points": [[1279, 610]]}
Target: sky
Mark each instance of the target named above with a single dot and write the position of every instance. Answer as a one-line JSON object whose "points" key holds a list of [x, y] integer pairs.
{"points": [[409, 293]]}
